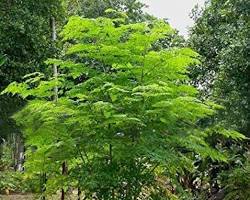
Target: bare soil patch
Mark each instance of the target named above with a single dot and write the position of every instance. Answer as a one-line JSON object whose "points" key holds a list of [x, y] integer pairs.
{"points": [[17, 197]]}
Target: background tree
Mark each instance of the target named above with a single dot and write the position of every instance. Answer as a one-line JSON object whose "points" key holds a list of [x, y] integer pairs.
{"points": [[221, 37], [97, 8], [25, 36]]}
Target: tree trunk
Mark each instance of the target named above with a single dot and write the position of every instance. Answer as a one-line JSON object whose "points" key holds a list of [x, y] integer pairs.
{"points": [[19, 153], [64, 172], [79, 193], [55, 72]]}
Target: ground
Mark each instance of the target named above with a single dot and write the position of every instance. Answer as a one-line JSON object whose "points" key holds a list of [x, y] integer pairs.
{"points": [[16, 197], [71, 196]]}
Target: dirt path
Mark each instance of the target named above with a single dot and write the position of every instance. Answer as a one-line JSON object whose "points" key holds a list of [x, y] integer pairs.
{"points": [[16, 197]]}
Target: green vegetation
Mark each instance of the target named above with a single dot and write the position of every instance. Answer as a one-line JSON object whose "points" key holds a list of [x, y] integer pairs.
{"points": [[223, 30], [113, 110]]}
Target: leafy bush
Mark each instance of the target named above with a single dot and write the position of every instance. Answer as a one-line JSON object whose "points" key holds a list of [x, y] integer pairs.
{"points": [[17, 182], [236, 182], [6, 157]]}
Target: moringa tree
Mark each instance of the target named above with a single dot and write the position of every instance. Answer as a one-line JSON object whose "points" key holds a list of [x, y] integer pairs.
{"points": [[126, 119]]}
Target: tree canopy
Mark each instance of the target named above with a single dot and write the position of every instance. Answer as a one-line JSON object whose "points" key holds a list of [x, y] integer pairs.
{"points": [[97, 8], [221, 37]]}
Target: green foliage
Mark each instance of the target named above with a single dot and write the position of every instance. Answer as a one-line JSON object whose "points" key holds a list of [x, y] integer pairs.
{"points": [[125, 116], [17, 182], [98, 8], [25, 35], [221, 37], [9, 181], [237, 182], [2, 60], [5, 153]]}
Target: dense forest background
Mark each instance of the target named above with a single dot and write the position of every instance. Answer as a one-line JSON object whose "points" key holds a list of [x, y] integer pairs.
{"points": [[100, 100]]}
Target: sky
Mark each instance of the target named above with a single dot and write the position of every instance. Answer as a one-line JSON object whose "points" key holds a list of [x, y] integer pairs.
{"points": [[176, 11]]}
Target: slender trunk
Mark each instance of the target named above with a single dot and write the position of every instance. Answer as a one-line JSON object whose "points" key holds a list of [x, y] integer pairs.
{"points": [[53, 35], [19, 153], [79, 192], [43, 185], [111, 160], [55, 74], [55, 71], [20, 158], [62, 194], [17, 149], [12, 142], [110, 154], [64, 172]]}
